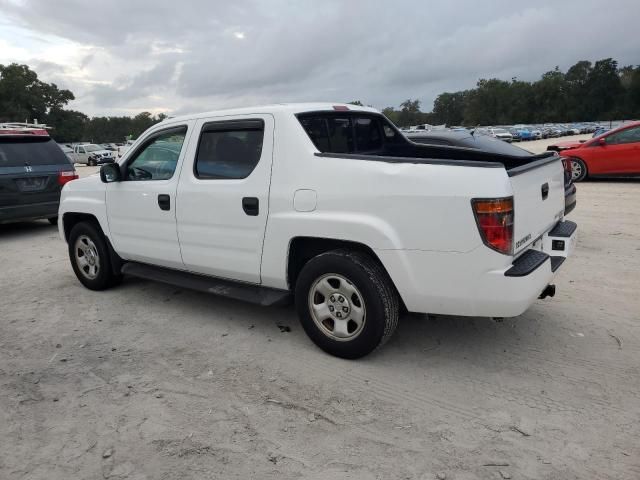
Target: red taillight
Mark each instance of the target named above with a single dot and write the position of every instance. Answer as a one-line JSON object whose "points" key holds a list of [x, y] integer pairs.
{"points": [[66, 177], [495, 222]]}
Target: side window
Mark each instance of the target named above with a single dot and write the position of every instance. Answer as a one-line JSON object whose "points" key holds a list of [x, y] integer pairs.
{"points": [[630, 135], [340, 135], [368, 135], [316, 128], [229, 150], [81, 149], [158, 157]]}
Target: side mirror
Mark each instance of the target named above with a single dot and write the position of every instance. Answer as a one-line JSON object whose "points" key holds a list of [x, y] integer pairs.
{"points": [[602, 142], [110, 173]]}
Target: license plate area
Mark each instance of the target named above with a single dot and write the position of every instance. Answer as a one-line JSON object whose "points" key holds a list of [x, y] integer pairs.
{"points": [[31, 184]]}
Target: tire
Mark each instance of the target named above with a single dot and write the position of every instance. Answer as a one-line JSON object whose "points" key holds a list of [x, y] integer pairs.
{"points": [[91, 163], [53, 220], [356, 284], [88, 242], [579, 170]]}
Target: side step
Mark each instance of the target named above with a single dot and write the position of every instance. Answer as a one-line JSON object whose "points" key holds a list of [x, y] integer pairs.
{"points": [[227, 288]]}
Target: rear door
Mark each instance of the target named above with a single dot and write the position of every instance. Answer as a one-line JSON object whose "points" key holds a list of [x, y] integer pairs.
{"points": [[538, 199], [29, 167], [223, 196]]}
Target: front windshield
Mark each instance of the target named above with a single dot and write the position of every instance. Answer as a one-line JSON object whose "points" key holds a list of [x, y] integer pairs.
{"points": [[93, 148], [499, 130]]}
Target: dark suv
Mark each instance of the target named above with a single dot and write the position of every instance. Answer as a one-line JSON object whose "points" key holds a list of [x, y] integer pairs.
{"points": [[33, 170]]}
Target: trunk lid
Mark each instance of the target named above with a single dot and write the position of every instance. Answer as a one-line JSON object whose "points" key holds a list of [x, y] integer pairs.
{"points": [[538, 199]]}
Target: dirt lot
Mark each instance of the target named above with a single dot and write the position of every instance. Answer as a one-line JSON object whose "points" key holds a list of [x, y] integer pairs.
{"points": [[148, 381]]}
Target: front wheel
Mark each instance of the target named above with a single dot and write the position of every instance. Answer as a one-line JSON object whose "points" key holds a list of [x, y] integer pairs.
{"points": [[578, 170], [91, 162], [90, 257], [347, 303]]}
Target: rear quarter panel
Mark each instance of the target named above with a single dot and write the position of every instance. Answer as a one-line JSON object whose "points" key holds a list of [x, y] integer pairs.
{"points": [[386, 206]]}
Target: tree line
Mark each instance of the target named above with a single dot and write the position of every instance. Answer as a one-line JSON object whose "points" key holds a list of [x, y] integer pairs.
{"points": [[585, 92], [25, 98]]}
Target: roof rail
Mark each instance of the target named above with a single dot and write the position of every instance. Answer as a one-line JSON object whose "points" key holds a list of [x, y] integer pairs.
{"points": [[18, 128]]}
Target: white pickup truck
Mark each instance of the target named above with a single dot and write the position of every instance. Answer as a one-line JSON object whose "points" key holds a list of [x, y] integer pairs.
{"points": [[327, 203], [91, 154]]}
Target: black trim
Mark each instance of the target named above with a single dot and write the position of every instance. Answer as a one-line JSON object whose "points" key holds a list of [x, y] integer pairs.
{"points": [[427, 161], [563, 229], [230, 125], [114, 259], [556, 262], [247, 292], [545, 158], [526, 263]]}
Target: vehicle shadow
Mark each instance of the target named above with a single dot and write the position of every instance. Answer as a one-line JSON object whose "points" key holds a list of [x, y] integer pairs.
{"points": [[24, 229]]}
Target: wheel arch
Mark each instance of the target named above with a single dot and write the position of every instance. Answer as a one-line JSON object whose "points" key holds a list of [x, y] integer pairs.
{"points": [[304, 248]]}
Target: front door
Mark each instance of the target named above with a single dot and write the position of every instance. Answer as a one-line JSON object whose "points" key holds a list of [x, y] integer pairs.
{"points": [[141, 208], [623, 151], [223, 196]]}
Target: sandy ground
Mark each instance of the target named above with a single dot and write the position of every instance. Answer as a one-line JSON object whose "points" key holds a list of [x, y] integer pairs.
{"points": [[147, 381]]}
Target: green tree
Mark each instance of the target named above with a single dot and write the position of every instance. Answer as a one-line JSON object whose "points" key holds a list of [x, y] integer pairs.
{"points": [[25, 98]]}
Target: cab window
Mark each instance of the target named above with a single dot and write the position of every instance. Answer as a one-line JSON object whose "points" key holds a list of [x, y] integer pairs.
{"points": [[229, 150], [158, 157]]}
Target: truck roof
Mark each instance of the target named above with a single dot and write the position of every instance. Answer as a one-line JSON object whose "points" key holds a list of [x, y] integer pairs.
{"points": [[292, 108]]}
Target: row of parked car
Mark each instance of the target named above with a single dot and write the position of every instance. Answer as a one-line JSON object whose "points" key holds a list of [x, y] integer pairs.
{"points": [[517, 133]]}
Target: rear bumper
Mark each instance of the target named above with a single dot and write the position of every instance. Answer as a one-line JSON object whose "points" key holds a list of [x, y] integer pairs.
{"points": [[478, 283], [29, 211]]}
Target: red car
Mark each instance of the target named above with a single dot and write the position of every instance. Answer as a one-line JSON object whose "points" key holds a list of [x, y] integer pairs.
{"points": [[614, 153]]}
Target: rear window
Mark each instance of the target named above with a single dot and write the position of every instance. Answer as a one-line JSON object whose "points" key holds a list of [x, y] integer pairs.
{"points": [[343, 133], [17, 151]]}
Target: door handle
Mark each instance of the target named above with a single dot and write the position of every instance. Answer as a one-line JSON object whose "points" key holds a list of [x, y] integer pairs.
{"points": [[545, 191], [251, 206], [164, 201]]}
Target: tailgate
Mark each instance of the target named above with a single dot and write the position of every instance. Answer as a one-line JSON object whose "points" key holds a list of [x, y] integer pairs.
{"points": [[538, 199]]}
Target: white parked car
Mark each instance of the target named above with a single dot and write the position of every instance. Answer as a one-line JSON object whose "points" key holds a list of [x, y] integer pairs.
{"points": [[331, 205], [91, 154], [499, 133]]}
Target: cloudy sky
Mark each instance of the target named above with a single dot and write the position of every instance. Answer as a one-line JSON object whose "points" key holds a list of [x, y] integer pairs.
{"points": [[123, 57]]}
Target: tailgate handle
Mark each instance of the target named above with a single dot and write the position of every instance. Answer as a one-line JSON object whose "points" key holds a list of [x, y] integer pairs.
{"points": [[545, 191]]}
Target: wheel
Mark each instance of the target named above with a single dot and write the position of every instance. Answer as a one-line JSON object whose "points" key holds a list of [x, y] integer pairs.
{"points": [[578, 170], [91, 162], [53, 220], [347, 303], [90, 257]]}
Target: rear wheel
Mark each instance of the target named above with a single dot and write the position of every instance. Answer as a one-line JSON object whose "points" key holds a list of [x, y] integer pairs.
{"points": [[578, 170], [90, 257], [346, 303]]}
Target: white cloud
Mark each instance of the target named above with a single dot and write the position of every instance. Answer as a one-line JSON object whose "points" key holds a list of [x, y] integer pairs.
{"points": [[122, 56]]}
